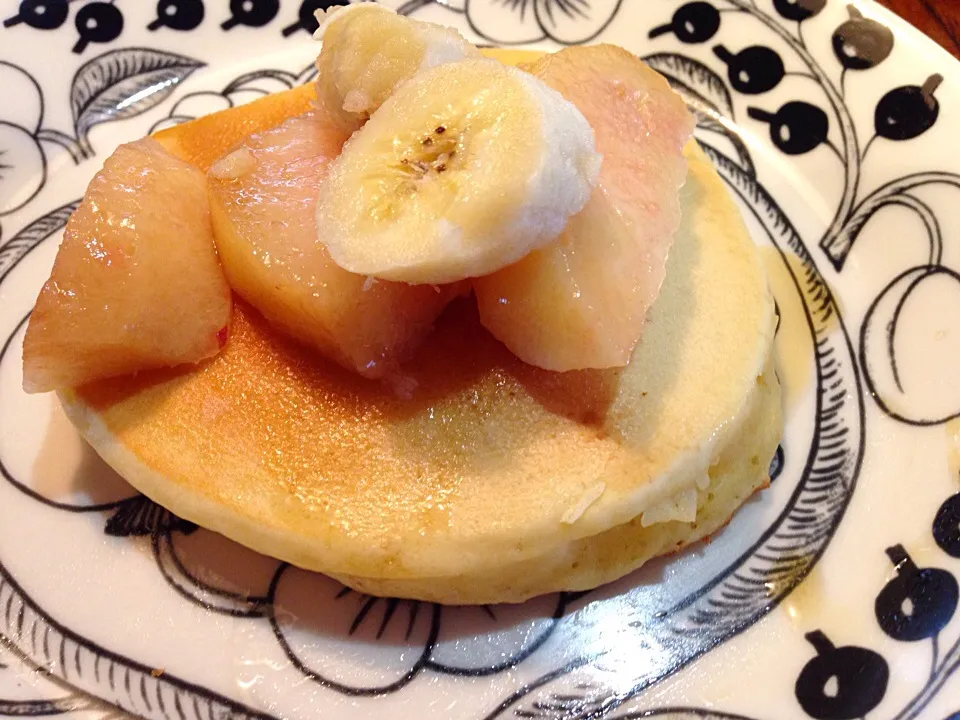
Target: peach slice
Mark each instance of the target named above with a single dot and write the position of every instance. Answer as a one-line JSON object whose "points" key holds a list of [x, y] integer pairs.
{"points": [[136, 283], [581, 301], [263, 197]]}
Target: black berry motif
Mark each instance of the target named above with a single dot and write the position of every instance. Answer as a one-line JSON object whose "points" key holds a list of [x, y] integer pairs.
{"points": [[253, 13], [841, 683], [798, 10], [753, 70], [946, 526], [178, 15], [909, 111], [918, 603], [796, 128], [40, 14], [97, 22], [915, 606], [306, 20], [694, 22], [861, 43]]}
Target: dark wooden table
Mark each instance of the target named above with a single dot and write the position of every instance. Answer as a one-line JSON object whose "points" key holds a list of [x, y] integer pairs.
{"points": [[940, 19]]}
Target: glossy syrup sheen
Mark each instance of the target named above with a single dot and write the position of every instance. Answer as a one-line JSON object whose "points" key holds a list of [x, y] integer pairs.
{"points": [[596, 282], [488, 460], [263, 199], [136, 283]]}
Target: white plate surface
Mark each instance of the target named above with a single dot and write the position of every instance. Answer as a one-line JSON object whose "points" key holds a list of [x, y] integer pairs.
{"points": [[832, 595]]}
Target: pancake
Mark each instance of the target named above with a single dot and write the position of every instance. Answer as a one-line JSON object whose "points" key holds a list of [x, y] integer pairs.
{"points": [[496, 481]]}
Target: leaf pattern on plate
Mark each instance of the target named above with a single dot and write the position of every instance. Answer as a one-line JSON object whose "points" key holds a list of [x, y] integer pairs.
{"points": [[32, 235], [139, 516], [38, 708], [572, 23], [741, 155], [124, 83], [707, 96], [700, 86]]}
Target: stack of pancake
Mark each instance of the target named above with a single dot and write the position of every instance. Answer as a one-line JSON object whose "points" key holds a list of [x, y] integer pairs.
{"points": [[493, 480]]}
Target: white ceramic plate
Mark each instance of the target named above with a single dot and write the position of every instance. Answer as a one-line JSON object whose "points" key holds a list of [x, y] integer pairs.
{"points": [[832, 595]]}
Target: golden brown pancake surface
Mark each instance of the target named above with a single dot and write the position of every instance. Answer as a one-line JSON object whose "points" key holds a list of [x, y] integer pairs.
{"points": [[491, 466]]}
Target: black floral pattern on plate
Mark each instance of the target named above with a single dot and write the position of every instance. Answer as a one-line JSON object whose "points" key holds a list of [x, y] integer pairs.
{"points": [[915, 606], [840, 681], [103, 21]]}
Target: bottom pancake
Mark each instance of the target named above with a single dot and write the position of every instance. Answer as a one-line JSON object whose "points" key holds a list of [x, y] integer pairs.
{"points": [[739, 471], [494, 480]]}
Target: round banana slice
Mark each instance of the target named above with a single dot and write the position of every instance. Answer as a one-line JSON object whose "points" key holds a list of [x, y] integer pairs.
{"points": [[464, 170], [369, 50]]}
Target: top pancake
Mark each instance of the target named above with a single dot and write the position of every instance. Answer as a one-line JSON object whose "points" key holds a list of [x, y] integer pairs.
{"points": [[490, 462]]}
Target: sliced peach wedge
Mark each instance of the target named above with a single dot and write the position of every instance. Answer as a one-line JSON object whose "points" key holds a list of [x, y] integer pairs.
{"points": [[263, 197], [581, 301], [136, 283]]}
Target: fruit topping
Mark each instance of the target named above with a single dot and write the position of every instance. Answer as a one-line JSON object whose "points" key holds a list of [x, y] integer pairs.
{"points": [[368, 51], [581, 301], [464, 170], [136, 283], [263, 197]]}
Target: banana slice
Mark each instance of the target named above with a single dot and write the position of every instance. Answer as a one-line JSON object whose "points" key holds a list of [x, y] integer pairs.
{"points": [[464, 170], [369, 50]]}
